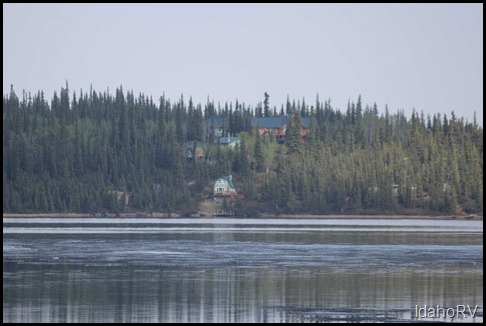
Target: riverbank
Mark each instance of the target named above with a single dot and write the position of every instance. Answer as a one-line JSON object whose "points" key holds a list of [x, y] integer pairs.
{"points": [[263, 216]]}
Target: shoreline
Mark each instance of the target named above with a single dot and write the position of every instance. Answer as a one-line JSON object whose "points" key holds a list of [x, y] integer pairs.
{"points": [[263, 216], [376, 217]]}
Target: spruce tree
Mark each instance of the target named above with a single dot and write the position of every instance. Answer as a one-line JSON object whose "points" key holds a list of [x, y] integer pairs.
{"points": [[258, 153]]}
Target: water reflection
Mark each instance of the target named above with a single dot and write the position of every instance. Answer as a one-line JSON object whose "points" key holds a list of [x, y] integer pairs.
{"points": [[228, 276], [108, 294]]}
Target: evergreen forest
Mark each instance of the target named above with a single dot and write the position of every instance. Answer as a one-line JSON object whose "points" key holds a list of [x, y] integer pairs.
{"points": [[76, 151]]}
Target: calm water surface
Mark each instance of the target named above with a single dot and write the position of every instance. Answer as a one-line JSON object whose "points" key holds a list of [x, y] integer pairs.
{"points": [[227, 270]]}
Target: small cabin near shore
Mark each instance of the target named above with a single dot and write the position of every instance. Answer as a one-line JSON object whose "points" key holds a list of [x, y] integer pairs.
{"points": [[224, 189]]}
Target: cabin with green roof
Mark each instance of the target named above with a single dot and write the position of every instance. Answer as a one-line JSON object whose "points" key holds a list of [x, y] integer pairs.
{"points": [[224, 188]]}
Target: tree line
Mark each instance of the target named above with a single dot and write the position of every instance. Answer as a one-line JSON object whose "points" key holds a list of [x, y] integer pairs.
{"points": [[76, 152]]}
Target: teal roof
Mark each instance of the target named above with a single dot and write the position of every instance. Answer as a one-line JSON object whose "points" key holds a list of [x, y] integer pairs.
{"points": [[276, 122], [228, 179], [269, 122]]}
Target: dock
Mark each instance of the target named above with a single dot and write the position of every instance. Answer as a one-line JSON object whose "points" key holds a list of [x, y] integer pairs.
{"points": [[230, 214]]}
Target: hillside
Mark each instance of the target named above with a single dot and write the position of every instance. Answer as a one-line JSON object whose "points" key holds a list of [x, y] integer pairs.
{"points": [[98, 153]]}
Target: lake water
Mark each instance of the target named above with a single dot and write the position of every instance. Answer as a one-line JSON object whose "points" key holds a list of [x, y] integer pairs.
{"points": [[231, 270]]}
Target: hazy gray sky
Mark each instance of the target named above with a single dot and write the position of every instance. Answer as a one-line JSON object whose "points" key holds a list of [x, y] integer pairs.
{"points": [[423, 56]]}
